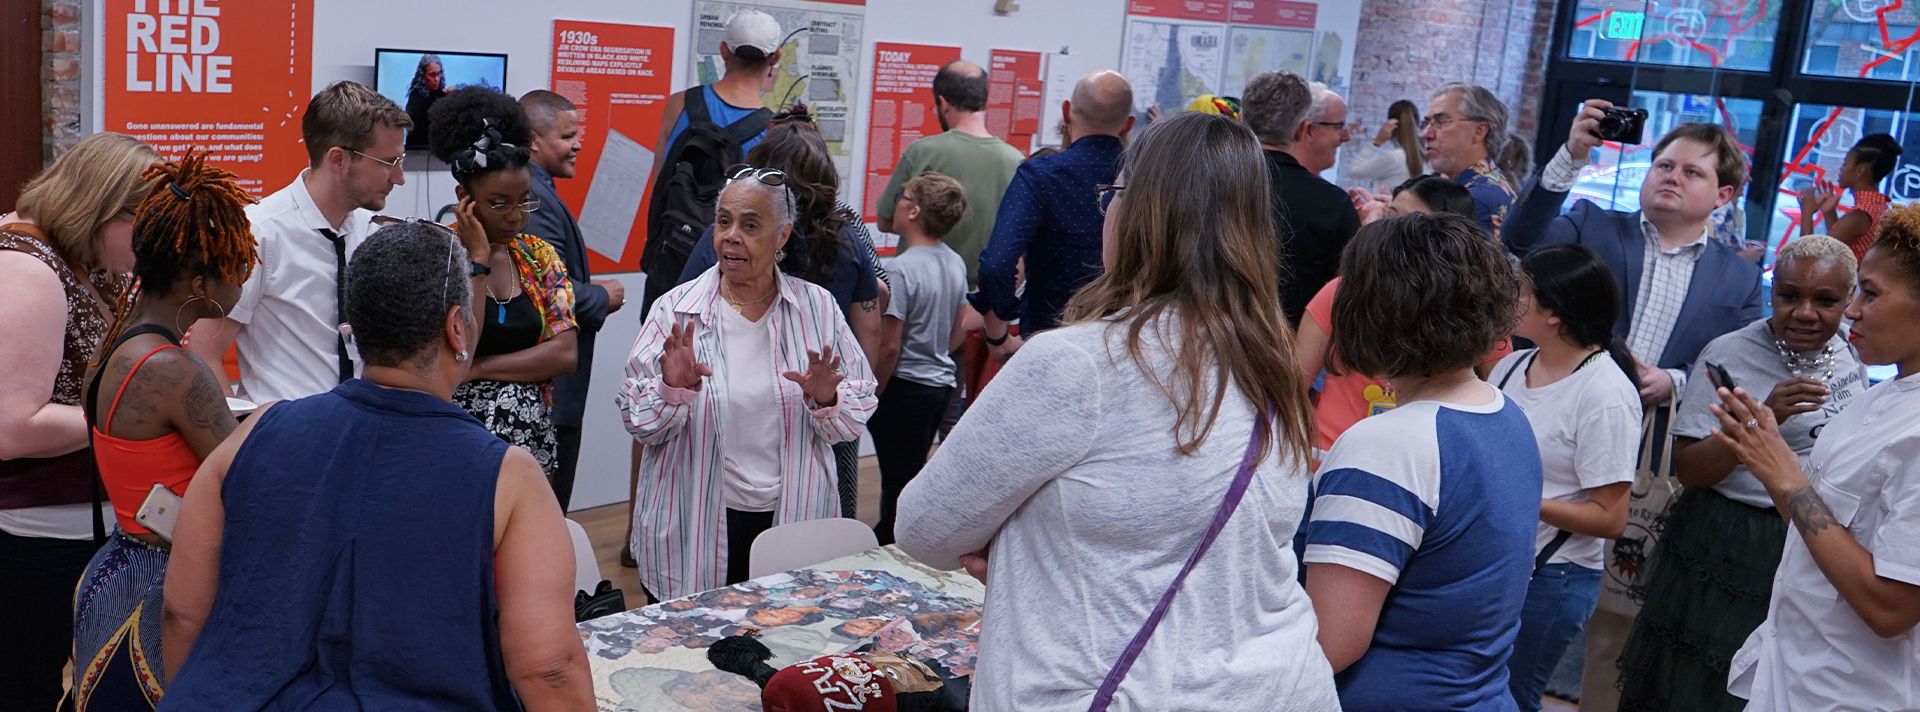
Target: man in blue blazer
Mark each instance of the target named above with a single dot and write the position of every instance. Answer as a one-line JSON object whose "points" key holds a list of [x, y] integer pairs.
{"points": [[1680, 288]]}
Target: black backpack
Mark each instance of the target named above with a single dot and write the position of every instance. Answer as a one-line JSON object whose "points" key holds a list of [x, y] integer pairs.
{"points": [[684, 194]]}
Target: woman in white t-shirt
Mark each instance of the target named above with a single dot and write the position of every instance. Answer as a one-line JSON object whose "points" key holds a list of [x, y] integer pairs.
{"points": [[1584, 406]]}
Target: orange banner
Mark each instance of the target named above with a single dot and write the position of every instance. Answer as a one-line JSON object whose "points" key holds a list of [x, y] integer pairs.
{"points": [[227, 76], [1014, 93], [902, 112], [619, 76]]}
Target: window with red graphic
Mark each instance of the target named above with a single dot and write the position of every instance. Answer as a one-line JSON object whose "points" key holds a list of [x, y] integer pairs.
{"points": [[1728, 34], [1869, 39]]}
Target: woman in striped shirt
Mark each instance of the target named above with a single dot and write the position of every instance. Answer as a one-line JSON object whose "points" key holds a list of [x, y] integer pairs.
{"points": [[739, 406]]}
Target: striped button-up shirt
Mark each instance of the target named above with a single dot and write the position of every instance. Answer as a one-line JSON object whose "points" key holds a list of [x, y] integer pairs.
{"points": [[679, 527]]}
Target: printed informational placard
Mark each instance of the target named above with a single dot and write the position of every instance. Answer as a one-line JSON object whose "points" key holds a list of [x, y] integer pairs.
{"points": [[1015, 89], [902, 112], [619, 77], [228, 77], [819, 59], [1178, 50]]}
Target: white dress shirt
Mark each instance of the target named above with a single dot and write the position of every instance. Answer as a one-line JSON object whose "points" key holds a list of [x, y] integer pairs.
{"points": [[1814, 653], [289, 307]]}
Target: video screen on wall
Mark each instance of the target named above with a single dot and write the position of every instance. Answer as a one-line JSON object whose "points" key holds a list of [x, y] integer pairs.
{"points": [[415, 79]]}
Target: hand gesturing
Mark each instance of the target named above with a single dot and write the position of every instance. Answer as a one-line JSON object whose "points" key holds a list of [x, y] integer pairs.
{"points": [[822, 379], [677, 365]]}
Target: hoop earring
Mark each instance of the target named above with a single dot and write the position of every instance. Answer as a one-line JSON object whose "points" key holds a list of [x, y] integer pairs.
{"points": [[183, 309]]}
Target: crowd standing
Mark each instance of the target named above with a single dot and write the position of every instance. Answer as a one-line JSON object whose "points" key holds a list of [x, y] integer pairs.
{"points": [[1256, 441]]}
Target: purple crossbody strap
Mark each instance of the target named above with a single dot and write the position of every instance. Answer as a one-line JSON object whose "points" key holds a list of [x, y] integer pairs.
{"points": [[1239, 489]]}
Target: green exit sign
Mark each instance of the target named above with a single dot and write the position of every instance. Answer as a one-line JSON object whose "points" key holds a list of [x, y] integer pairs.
{"points": [[1624, 25]]}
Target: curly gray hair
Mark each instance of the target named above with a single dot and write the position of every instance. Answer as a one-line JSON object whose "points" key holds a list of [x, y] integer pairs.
{"points": [[1273, 105]]}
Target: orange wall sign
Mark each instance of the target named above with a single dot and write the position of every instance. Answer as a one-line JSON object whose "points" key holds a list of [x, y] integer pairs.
{"points": [[620, 77], [231, 77], [902, 111], [1014, 93]]}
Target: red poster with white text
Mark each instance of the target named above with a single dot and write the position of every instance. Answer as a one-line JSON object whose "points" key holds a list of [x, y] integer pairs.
{"points": [[1014, 92], [1208, 10], [902, 111], [619, 77], [230, 77]]}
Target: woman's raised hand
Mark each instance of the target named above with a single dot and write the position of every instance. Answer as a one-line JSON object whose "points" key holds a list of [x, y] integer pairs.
{"points": [[822, 379], [473, 235], [677, 365]]}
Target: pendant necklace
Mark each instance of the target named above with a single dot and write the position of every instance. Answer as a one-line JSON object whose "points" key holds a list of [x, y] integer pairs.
{"points": [[737, 306], [501, 304]]}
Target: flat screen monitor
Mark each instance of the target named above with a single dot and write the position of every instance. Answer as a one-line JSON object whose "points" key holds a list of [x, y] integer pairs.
{"points": [[415, 79]]}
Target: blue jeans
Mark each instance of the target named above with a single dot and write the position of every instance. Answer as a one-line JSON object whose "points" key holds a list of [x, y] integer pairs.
{"points": [[1560, 599]]}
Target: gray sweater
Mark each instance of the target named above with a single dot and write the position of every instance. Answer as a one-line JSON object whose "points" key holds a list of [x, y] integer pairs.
{"points": [[1066, 466]]}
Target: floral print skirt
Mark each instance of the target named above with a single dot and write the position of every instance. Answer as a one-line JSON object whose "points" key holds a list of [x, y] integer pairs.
{"points": [[517, 412]]}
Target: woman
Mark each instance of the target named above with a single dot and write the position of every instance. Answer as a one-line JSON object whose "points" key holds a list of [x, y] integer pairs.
{"points": [[157, 411], [1516, 159], [1421, 537], [829, 247], [372, 547], [1419, 194], [59, 254], [1128, 441], [1839, 632], [1708, 581], [1869, 162], [1346, 396], [527, 333], [1579, 395], [738, 386], [429, 85], [1395, 154]]}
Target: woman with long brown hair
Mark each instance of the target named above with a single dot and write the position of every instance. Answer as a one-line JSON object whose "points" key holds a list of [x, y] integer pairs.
{"points": [[1090, 472], [1394, 155]]}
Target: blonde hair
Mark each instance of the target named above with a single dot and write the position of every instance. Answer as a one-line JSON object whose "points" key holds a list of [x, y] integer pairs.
{"points": [[1821, 248], [71, 201]]}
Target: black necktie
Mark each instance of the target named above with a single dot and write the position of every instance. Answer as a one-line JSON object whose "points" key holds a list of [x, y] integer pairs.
{"points": [[340, 302]]}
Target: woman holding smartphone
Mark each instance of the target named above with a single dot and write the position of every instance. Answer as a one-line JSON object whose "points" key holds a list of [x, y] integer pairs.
{"points": [[156, 411]]}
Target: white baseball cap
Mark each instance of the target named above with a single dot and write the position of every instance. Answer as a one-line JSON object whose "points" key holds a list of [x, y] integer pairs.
{"points": [[753, 28]]}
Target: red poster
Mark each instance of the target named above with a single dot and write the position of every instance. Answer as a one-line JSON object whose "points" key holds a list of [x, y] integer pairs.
{"points": [[1014, 91], [902, 110], [1274, 13], [225, 76], [619, 76], [1209, 10]]}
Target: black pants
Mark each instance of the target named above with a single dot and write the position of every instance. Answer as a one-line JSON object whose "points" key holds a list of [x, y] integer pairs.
{"points": [[742, 527], [569, 459], [37, 579], [902, 429]]}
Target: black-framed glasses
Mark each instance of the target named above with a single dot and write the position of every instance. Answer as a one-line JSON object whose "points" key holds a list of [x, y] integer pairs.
{"points": [[1445, 121], [1331, 124], [1107, 192], [388, 162], [527, 206]]}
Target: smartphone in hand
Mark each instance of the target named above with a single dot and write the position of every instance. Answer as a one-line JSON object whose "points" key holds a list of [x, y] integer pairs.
{"points": [[1719, 376]]}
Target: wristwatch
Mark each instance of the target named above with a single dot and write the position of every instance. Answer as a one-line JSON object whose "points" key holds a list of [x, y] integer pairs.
{"points": [[475, 269], [993, 341]]}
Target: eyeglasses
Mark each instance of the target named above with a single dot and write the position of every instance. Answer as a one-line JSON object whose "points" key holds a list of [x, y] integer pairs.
{"points": [[527, 206], [388, 162], [1445, 121], [1107, 193], [766, 176], [1331, 124]]}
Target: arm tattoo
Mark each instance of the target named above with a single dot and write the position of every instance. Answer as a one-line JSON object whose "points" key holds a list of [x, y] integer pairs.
{"points": [[1809, 512], [870, 305], [206, 407]]}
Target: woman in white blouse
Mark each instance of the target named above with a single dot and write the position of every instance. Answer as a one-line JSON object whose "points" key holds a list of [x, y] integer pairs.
{"points": [[1088, 473], [739, 384], [1839, 633], [1394, 155]]}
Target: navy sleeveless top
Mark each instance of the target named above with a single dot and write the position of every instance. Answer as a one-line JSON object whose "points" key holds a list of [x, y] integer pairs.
{"points": [[356, 569]]}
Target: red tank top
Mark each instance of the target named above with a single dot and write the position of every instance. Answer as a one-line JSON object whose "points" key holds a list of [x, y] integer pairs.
{"points": [[130, 468], [1875, 205]]}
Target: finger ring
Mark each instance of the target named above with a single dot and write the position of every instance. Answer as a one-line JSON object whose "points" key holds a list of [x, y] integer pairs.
{"points": [[1753, 422]]}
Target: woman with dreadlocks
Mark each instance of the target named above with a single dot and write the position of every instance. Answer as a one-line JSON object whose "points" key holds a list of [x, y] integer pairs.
{"points": [[527, 334], [156, 411]]}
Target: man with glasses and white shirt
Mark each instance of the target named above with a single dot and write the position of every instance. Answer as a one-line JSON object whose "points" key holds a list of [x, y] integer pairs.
{"points": [[287, 322], [1465, 127]]}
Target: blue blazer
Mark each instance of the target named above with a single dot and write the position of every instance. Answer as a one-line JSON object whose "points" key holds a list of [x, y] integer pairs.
{"points": [[1725, 293]]}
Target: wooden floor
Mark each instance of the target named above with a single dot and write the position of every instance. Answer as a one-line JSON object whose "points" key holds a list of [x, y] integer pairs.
{"points": [[607, 529]]}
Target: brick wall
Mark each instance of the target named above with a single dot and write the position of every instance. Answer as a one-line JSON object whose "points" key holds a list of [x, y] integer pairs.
{"points": [[60, 77], [1406, 48]]}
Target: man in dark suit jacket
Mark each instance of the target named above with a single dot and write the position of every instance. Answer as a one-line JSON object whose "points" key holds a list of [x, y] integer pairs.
{"points": [[1315, 218], [556, 142], [1680, 288]]}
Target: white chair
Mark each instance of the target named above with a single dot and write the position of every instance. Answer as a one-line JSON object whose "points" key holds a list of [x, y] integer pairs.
{"points": [[802, 544], [586, 569]]}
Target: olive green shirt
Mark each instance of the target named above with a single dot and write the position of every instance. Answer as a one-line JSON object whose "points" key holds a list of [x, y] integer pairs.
{"points": [[983, 166]]}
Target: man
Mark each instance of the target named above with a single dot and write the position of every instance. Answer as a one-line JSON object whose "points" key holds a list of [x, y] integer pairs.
{"points": [[966, 152], [287, 322], [556, 147], [1466, 126], [1316, 144], [1051, 215], [1681, 288], [1315, 218]]}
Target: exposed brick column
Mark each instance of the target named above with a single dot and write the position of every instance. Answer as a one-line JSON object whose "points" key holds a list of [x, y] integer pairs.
{"points": [[60, 88]]}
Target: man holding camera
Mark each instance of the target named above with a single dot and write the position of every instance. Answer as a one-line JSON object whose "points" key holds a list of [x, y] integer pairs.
{"points": [[1680, 289]]}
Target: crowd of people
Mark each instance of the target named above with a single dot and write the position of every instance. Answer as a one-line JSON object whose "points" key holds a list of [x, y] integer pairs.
{"points": [[1254, 441]]}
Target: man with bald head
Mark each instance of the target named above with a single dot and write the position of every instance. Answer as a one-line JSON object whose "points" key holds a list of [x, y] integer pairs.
{"points": [[1050, 214], [965, 152]]}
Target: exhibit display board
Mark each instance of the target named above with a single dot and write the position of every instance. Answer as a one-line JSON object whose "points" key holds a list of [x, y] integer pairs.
{"points": [[619, 77], [819, 59], [1178, 50], [230, 77], [1014, 92], [902, 112]]}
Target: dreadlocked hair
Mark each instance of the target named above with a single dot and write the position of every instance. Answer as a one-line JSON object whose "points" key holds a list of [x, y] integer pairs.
{"points": [[192, 223]]}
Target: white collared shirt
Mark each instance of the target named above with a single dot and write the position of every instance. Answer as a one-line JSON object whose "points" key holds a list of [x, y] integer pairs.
{"points": [[289, 306], [1814, 653]]}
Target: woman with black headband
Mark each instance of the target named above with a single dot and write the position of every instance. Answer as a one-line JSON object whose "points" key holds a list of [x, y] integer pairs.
{"points": [[527, 335]]}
